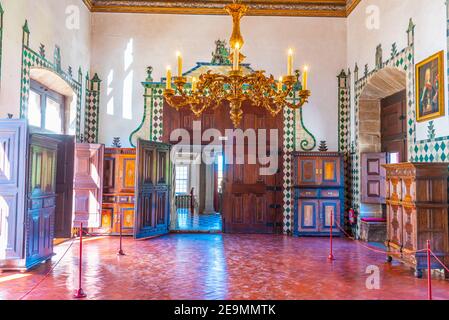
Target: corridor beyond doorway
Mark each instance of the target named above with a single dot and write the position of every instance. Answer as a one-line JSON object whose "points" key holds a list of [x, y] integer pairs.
{"points": [[188, 222], [198, 188]]}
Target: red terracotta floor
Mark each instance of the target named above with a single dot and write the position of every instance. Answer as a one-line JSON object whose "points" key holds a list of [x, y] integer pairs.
{"points": [[215, 266]]}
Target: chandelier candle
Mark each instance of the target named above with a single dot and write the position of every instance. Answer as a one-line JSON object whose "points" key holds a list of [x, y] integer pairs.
{"points": [[290, 62], [168, 86], [280, 84], [305, 78], [211, 89], [236, 56], [179, 56], [193, 84]]}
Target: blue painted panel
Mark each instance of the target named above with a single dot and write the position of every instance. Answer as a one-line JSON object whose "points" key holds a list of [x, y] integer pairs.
{"points": [[333, 205]]}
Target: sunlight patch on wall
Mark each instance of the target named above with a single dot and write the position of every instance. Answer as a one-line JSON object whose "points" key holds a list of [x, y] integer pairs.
{"points": [[128, 82], [110, 104]]}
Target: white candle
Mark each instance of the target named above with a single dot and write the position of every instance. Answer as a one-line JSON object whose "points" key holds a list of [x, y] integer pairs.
{"points": [[168, 84], [305, 78], [236, 62], [290, 62], [193, 84], [179, 56], [280, 84]]}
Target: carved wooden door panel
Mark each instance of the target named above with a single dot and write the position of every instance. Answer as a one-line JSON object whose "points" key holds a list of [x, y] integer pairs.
{"points": [[394, 125], [41, 198], [252, 200], [88, 186], [373, 178], [153, 189], [13, 151], [64, 186]]}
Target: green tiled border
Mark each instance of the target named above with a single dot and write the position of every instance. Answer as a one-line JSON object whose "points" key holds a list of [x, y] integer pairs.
{"points": [[92, 109], [32, 59]]}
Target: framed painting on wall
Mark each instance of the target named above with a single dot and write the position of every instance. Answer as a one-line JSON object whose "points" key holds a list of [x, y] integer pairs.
{"points": [[430, 103]]}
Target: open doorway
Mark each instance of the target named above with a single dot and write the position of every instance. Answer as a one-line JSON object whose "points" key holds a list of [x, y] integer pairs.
{"points": [[382, 137], [198, 192]]}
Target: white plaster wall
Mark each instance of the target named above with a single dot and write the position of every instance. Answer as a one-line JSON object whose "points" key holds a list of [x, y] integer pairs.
{"points": [[123, 45], [430, 37], [47, 23]]}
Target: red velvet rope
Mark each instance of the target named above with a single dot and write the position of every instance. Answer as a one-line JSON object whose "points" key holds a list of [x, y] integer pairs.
{"points": [[372, 249], [439, 261], [390, 252], [48, 273]]}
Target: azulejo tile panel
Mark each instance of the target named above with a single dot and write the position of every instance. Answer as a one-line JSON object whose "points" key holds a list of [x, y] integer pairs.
{"points": [[344, 131], [32, 59], [92, 109]]}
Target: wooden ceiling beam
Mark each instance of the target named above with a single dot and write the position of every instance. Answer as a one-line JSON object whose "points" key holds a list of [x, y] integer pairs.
{"points": [[295, 8]]}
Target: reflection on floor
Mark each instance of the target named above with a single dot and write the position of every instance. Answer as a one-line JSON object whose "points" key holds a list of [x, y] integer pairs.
{"points": [[198, 222], [221, 266]]}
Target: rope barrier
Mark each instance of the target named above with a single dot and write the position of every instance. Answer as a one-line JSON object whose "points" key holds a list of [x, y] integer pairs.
{"points": [[49, 272], [439, 261], [427, 250], [375, 250]]}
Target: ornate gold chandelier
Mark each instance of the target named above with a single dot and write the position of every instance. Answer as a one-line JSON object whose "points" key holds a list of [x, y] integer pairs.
{"points": [[211, 89]]}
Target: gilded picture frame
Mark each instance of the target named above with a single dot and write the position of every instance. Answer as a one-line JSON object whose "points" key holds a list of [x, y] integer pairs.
{"points": [[429, 78]]}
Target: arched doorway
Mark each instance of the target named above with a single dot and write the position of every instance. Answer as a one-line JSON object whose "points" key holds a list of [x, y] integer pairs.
{"points": [[382, 133]]}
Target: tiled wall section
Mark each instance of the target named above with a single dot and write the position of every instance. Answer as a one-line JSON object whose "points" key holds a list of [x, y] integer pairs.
{"points": [[289, 147], [92, 112], [437, 149], [32, 59], [404, 61], [344, 131], [431, 150]]}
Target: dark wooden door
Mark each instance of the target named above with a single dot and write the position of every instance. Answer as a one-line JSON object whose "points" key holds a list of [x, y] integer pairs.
{"points": [[373, 178], [64, 185], [252, 203], [41, 198], [394, 125], [13, 169], [153, 189], [88, 184]]}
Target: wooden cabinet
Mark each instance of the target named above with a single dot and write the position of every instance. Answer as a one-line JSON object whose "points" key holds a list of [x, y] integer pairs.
{"points": [[319, 182], [118, 191], [417, 211]]}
